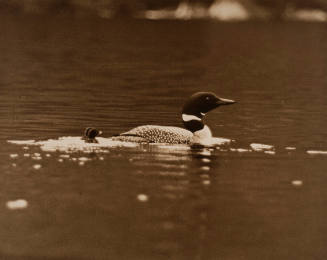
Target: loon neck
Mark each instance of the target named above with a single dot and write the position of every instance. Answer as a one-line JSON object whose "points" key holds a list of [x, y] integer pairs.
{"points": [[193, 123]]}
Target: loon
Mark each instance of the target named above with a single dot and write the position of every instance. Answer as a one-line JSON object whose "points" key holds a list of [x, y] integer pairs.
{"points": [[90, 133], [195, 132]]}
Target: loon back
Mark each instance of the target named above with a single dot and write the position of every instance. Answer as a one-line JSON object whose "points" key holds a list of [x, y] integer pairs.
{"points": [[156, 134]]}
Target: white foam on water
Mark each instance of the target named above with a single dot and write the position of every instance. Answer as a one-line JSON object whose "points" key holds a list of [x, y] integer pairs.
{"points": [[22, 142], [240, 150], [223, 10], [205, 168], [227, 10], [171, 147], [270, 152], [261, 147], [142, 197], [290, 148], [72, 144], [83, 159], [220, 140], [309, 15], [17, 204], [297, 183], [316, 152], [37, 166], [67, 145]]}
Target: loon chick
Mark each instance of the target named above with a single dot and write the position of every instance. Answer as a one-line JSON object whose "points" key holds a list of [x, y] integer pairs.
{"points": [[90, 133], [195, 132]]}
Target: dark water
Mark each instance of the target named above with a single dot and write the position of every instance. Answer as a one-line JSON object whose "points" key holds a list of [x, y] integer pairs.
{"points": [[59, 75]]}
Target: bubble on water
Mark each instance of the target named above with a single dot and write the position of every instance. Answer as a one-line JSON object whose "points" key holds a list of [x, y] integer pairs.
{"points": [[48, 155], [83, 159], [206, 182], [37, 166], [36, 158], [142, 197], [101, 158], [66, 156], [13, 155], [297, 183], [27, 155], [205, 168], [60, 160], [269, 152], [81, 163], [14, 165], [205, 160], [17, 204], [290, 148], [37, 154]]}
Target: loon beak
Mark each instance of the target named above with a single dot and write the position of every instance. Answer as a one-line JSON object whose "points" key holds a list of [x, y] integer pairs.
{"points": [[224, 101]]}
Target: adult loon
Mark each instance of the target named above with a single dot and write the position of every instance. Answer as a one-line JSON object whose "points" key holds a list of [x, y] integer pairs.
{"points": [[195, 132]]}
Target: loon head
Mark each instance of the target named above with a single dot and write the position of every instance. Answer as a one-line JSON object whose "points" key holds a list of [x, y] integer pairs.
{"points": [[197, 106]]}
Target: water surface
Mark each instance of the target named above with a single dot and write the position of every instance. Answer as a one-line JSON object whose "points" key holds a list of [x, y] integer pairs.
{"points": [[59, 75]]}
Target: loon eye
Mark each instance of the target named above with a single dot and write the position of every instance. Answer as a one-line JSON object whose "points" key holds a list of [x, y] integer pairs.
{"points": [[207, 98]]}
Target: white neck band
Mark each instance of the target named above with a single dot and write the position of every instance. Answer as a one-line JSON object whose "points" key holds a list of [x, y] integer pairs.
{"points": [[187, 118]]}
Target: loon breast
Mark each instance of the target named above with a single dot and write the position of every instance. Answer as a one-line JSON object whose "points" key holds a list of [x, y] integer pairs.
{"points": [[156, 134]]}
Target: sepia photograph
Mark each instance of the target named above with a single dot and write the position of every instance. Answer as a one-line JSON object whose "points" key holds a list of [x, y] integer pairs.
{"points": [[163, 129]]}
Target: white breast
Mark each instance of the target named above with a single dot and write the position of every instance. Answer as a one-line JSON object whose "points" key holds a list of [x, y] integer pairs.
{"points": [[203, 136]]}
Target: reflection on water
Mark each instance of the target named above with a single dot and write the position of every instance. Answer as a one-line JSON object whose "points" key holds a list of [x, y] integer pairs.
{"points": [[63, 198]]}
